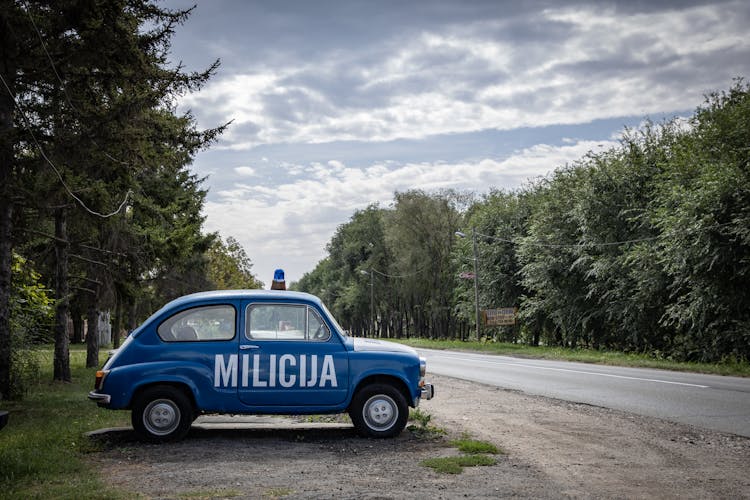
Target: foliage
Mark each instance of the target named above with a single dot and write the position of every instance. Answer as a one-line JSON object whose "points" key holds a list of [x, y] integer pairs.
{"points": [[643, 248], [30, 318], [229, 267], [95, 158]]}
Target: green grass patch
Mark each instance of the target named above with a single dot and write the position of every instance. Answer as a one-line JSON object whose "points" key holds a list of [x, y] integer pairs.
{"points": [[473, 447], [730, 367], [455, 465], [474, 453], [42, 449]]}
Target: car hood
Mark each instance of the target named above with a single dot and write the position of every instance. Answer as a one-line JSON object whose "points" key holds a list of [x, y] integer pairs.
{"points": [[381, 345]]}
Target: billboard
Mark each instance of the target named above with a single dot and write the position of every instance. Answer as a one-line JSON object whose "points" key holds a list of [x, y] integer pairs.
{"points": [[505, 316]]}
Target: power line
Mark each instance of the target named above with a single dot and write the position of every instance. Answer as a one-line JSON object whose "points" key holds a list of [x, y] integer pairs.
{"points": [[52, 165]]}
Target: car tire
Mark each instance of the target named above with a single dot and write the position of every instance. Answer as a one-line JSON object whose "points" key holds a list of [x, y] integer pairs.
{"points": [[162, 414], [379, 411]]}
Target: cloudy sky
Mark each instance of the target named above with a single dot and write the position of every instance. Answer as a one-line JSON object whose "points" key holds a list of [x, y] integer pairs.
{"points": [[337, 105]]}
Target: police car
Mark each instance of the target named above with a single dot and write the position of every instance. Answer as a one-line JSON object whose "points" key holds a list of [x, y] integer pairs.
{"points": [[257, 352]]}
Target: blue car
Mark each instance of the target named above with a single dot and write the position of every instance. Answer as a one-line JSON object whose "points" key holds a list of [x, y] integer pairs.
{"points": [[257, 352]]}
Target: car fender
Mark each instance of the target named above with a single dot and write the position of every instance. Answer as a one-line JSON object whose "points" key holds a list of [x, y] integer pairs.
{"points": [[124, 382]]}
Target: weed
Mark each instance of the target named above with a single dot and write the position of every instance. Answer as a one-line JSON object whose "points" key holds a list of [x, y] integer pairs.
{"points": [[422, 428]]}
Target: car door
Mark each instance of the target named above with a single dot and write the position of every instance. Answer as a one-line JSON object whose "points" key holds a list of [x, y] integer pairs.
{"points": [[289, 356]]}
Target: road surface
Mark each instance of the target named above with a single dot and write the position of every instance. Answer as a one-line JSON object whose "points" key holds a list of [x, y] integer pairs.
{"points": [[708, 401]]}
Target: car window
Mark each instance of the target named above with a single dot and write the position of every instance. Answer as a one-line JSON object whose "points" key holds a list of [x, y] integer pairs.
{"points": [[316, 327], [200, 324], [284, 322]]}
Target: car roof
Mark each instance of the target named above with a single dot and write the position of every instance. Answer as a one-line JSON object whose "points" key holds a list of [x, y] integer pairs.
{"points": [[217, 295], [245, 294]]}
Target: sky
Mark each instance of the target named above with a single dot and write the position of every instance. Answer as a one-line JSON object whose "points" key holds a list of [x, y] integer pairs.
{"points": [[336, 105]]}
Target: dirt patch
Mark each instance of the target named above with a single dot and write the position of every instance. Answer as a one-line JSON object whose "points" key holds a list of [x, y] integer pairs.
{"points": [[554, 449]]}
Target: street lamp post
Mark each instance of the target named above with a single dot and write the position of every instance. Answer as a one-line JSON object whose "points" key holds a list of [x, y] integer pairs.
{"points": [[476, 275], [372, 298]]}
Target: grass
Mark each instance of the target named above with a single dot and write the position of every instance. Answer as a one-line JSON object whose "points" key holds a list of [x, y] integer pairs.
{"points": [[734, 368], [43, 449], [474, 447], [455, 465], [475, 453]]}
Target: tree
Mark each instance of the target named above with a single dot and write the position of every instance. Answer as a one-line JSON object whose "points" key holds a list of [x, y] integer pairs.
{"points": [[87, 93], [703, 210], [420, 233], [229, 267]]}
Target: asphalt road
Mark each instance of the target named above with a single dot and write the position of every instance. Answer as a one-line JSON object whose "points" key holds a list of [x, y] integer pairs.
{"points": [[708, 401]]}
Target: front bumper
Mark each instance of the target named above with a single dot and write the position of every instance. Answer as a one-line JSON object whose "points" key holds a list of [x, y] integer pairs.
{"points": [[428, 391], [100, 399]]}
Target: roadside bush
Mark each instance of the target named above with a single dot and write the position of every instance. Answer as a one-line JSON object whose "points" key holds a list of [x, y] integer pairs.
{"points": [[31, 312]]}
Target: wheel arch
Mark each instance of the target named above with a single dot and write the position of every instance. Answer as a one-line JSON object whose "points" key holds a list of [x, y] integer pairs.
{"points": [[180, 386], [391, 380]]}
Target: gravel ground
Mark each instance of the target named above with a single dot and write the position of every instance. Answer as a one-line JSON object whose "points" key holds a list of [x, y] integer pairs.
{"points": [[553, 449]]}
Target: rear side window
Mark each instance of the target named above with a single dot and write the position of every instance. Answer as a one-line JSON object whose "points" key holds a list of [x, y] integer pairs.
{"points": [[200, 324]]}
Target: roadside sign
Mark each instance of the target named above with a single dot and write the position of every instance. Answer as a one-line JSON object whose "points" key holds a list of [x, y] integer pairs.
{"points": [[505, 316]]}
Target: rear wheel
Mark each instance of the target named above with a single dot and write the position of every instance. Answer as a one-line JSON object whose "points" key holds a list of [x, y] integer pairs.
{"points": [[379, 410], [162, 413]]}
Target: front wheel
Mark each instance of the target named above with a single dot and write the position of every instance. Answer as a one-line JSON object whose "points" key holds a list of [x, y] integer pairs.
{"points": [[162, 414], [379, 411]]}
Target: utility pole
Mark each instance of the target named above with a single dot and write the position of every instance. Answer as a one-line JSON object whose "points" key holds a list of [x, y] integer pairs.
{"points": [[372, 301], [476, 278], [372, 304], [476, 275]]}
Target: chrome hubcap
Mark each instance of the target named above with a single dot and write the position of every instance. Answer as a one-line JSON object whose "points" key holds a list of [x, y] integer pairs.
{"points": [[380, 412], [161, 417]]}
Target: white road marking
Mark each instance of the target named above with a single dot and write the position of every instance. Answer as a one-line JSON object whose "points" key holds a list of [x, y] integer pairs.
{"points": [[500, 362]]}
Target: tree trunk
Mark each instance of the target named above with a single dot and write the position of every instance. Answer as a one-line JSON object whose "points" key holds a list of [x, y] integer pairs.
{"points": [[7, 44], [61, 361], [6, 260], [117, 326], [76, 316], [92, 334]]}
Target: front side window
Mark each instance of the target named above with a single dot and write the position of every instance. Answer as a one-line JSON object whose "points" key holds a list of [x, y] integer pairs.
{"points": [[200, 324], [284, 322]]}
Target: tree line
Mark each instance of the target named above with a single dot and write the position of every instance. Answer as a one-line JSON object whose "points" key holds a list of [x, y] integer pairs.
{"points": [[640, 248], [643, 248], [98, 207]]}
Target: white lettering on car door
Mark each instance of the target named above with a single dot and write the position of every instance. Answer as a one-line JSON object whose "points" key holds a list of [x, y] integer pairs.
{"points": [[280, 369]]}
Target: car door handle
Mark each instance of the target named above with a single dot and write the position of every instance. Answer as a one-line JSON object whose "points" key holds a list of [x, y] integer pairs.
{"points": [[245, 347]]}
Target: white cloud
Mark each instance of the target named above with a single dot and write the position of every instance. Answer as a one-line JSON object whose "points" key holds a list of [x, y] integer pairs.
{"points": [[288, 225], [605, 64], [245, 171]]}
